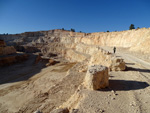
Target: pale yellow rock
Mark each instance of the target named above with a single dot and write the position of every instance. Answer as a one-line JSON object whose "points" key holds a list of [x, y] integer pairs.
{"points": [[117, 64], [105, 58], [96, 77], [74, 56], [99, 58]]}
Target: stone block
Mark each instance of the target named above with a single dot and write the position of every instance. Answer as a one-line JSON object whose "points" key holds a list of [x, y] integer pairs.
{"points": [[96, 77], [117, 64]]}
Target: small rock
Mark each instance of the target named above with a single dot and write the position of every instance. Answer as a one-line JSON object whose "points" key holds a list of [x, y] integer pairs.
{"points": [[60, 110], [74, 111], [37, 111], [116, 94], [102, 111], [113, 98], [109, 95], [112, 91]]}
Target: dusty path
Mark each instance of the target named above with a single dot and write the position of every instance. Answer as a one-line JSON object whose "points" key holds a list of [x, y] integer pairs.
{"points": [[123, 53], [129, 91]]}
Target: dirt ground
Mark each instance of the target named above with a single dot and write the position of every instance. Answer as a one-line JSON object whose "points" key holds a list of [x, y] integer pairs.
{"points": [[128, 92], [27, 87]]}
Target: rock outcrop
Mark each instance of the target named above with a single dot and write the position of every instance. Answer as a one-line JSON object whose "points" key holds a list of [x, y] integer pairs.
{"points": [[107, 59], [96, 77], [117, 64]]}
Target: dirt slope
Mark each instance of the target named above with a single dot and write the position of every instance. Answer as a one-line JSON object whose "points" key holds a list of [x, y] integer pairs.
{"points": [[35, 87]]}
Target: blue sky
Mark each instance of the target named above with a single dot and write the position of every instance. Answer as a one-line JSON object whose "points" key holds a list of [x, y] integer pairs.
{"points": [[17, 16]]}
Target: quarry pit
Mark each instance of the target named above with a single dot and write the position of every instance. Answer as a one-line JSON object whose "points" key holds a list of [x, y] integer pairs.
{"points": [[48, 72]]}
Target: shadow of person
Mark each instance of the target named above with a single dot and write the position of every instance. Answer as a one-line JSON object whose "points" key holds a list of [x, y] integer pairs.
{"points": [[125, 85], [130, 63], [137, 69]]}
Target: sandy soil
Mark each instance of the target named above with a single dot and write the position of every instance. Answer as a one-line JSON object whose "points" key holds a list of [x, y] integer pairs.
{"points": [[27, 87]]}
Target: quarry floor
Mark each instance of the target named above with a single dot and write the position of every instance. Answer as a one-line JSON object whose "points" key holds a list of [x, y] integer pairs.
{"points": [[27, 86]]}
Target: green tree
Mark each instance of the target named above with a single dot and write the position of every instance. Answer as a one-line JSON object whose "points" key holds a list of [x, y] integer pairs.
{"points": [[63, 29], [107, 31], [131, 27], [73, 30]]}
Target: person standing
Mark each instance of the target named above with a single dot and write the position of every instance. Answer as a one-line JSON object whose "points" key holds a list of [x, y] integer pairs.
{"points": [[114, 49]]}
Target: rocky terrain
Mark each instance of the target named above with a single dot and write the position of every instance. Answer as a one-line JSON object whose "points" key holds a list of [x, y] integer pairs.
{"points": [[60, 71]]}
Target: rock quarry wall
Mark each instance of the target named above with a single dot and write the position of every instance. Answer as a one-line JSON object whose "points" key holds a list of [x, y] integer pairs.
{"points": [[136, 40]]}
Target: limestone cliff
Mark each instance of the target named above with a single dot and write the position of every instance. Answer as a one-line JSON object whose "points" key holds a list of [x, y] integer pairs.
{"points": [[136, 40]]}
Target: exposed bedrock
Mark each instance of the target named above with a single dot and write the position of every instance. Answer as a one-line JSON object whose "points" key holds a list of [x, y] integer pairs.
{"points": [[16, 58]]}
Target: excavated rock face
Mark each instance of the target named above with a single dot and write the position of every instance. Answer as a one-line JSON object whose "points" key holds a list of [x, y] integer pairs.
{"points": [[7, 50], [134, 39], [74, 56], [2, 43], [9, 60], [73, 47], [9, 56], [96, 77]]}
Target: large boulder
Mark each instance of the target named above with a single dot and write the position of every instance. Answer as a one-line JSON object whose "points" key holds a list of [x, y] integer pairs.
{"points": [[96, 77], [117, 64], [107, 59]]}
